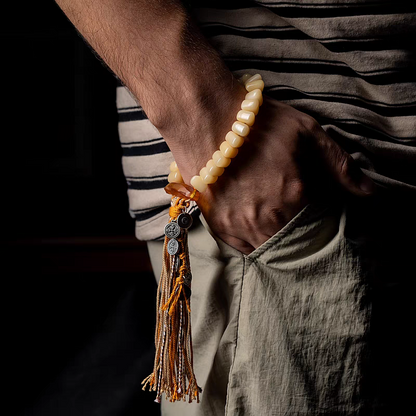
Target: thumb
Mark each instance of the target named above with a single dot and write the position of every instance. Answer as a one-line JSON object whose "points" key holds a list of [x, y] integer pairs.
{"points": [[343, 167]]}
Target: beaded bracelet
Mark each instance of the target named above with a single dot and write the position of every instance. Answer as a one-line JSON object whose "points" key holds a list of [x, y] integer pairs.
{"points": [[173, 371], [229, 147]]}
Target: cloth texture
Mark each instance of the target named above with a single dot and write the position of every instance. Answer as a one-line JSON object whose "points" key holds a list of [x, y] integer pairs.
{"points": [[310, 323], [351, 66]]}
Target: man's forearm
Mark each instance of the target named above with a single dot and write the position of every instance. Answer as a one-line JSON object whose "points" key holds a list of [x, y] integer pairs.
{"points": [[156, 49]]}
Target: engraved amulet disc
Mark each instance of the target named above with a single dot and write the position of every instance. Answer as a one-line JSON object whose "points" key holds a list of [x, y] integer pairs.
{"points": [[172, 230], [173, 246]]}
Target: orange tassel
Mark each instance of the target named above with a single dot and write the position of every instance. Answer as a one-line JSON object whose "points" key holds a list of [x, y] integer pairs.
{"points": [[173, 372]]}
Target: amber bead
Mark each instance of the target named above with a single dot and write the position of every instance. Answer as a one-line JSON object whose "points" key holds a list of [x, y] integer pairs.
{"points": [[227, 150], [244, 78], [251, 105], [240, 128], [253, 85], [198, 183], [220, 160], [253, 78], [255, 95], [182, 190], [175, 176], [246, 117], [213, 169], [234, 139], [206, 177]]}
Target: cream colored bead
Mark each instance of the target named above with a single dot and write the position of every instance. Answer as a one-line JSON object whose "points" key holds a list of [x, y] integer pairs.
{"points": [[240, 128], [246, 117], [244, 78], [213, 169], [175, 176], [251, 105], [173, 167], [198, 183], [250, 86], [227, 150], [234, 139], [255, 95], [253, 78], [206, 177], [220, 160]]}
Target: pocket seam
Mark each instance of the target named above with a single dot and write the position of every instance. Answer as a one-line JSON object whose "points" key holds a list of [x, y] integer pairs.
{"points": [[233, 252], [305, 213]]}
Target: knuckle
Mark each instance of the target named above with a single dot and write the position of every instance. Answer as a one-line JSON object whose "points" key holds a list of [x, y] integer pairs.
{"points": [[309, 124], [346, 162], [295, 192]]}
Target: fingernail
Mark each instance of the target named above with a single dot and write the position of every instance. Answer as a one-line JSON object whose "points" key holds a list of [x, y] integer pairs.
{"points": [[367, 185]]}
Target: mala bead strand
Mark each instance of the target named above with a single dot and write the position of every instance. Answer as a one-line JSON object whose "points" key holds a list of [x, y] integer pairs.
{"points": [[229, 147]]}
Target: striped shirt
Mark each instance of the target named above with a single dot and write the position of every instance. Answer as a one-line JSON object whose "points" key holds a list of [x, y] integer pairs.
{"points": [[350, 65]]}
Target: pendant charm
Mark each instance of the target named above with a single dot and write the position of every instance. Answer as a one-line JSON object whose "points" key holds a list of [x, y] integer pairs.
{"points": [[184, 220], [173, 246], [172, 230]]}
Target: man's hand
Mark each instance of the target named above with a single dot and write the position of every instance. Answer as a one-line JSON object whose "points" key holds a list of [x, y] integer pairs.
{"points": [[287, 162]]}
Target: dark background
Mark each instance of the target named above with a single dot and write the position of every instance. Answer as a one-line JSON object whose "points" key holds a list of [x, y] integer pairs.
{"points": [[79, 291]]}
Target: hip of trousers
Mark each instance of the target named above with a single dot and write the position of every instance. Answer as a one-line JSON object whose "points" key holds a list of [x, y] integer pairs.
{"points": [[312, 322]]}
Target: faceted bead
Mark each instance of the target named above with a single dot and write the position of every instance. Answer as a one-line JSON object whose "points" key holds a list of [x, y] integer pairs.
{"points": [[206, 177], [213, 169], [251, 105], [234, 139], [246, 117], [173, 167], [244, 78], [220, 160], [255, 95], [182, 190], [250, 86], [253, 78], [175, 176], [240, 128], [198, 183], [227, 150]]}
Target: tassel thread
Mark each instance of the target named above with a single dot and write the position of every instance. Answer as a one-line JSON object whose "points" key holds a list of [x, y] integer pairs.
{"points": [[173, 372]]}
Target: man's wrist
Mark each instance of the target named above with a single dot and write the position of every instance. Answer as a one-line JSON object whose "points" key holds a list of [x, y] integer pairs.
{"points": [[197, 102], [196, 132]]}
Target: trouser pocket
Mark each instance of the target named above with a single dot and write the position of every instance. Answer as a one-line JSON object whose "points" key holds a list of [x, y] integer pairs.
{"points": [[303, 322]]}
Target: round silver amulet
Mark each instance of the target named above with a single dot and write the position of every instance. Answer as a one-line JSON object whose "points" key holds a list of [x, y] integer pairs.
{"points": [[172, 229]]}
